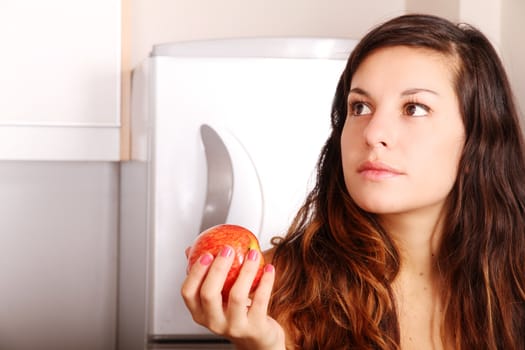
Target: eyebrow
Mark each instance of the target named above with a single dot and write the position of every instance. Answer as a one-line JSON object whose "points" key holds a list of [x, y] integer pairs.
{"points": [[407, 92], [416, 91]]}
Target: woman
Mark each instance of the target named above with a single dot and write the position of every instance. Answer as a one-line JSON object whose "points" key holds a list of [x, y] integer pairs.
{"points": [[414, 235]]}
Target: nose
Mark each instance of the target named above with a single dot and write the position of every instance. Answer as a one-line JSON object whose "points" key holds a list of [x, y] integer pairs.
{"points": [[380, 130]]}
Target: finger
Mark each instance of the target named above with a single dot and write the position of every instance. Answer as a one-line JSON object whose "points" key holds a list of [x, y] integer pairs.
{"points": [[210, 291], [187, 252], [239, 294], [238, 301], [261, 297], [190, 289]]}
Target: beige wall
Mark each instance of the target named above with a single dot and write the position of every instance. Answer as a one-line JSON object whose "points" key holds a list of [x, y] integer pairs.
{"points": [[159, 21], [444, 8], [485, 15], [149, 22], [513, 47]]}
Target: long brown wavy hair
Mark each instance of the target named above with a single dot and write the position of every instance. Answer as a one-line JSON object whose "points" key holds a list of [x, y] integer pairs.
{"points": [[336, 263]]}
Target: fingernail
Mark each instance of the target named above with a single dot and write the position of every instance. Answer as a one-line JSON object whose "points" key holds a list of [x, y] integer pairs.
{"points": [[226, 251], [206, 259], [269, 268], [252, 255]]}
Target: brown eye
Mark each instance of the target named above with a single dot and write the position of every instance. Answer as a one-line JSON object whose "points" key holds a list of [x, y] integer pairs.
{"points": [[360, 108], [416, 110]]}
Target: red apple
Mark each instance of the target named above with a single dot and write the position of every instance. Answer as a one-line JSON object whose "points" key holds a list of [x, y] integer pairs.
{"points": [[239, 238]]}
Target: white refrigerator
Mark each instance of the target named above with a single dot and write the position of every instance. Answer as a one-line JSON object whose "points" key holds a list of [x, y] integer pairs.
{"points": [[223, 131]]}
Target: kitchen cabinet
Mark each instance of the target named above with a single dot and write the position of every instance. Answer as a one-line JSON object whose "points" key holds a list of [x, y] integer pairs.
{"points": [[60, 78], [58, 255]]}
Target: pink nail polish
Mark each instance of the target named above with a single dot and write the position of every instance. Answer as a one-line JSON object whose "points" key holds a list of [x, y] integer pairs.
{"points": [[252, 255], [226, 251], [269, 268], [206, 259]]}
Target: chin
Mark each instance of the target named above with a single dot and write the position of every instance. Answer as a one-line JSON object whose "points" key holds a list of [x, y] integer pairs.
{"points": [[378, 207]]}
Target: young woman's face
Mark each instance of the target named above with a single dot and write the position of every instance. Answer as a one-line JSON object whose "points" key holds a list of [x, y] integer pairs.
{"points": [[403, 135]]}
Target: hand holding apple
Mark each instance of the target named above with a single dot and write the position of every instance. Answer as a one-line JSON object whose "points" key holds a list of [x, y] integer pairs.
{"points": [[239, 238], [245, 322]]}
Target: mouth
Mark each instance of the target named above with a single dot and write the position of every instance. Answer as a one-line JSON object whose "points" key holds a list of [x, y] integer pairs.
{"points": [[377, 170]]}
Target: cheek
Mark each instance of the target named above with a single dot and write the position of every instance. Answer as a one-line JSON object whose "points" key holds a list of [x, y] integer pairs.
{"points": [[453, 160], [350, 161], [349, 150], [441, 163], [351, 137]]}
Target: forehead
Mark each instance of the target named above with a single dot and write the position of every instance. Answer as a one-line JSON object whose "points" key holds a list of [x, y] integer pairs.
{"points": [[405, 67]]}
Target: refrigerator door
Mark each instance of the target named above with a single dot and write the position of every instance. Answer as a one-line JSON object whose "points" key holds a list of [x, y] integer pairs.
{"points": [[236, 124]]}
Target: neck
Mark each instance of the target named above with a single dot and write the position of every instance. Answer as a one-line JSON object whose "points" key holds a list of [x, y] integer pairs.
{"points": [[417, 285], [417, 237]]}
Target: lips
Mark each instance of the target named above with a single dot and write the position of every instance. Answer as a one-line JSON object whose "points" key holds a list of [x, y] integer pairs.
{"points": [[375, 170]]}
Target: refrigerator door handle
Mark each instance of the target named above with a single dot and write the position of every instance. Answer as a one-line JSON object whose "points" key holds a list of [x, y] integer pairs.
{"points": [[219, 185]]}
